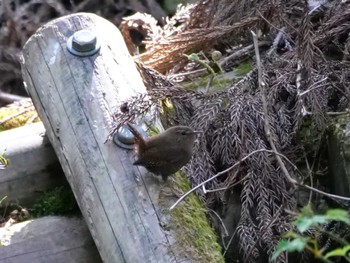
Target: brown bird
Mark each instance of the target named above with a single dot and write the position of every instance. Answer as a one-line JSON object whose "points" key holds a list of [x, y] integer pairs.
{"points": [[165, 153]]}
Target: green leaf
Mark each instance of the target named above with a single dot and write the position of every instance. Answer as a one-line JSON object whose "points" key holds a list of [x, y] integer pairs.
{"points": [[307, 211], [2, 199], [303, 223], [168, 103], [297, 244], [291, 235], [3, 162], [339, 252], [339, 215], [193, 57]]}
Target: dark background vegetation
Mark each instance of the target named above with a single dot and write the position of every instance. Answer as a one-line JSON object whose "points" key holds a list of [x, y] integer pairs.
{"points": [[306, 69], [19, 19]]}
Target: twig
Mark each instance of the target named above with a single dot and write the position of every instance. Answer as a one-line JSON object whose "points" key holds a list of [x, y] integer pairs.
{"points": [[216, 189], [229, 242], [240, 53], [332, 113], [313, 87], [230, 186], [304, 111], [213, 177], [221, 222], [262, 89], [204, 190], [9, 98], [194, 74], [238, 163], [210, 81], [324, 193], [221, 173]]}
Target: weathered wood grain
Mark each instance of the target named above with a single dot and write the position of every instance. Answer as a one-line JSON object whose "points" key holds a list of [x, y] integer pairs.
{"points": [[49, 239], [75, 98]]}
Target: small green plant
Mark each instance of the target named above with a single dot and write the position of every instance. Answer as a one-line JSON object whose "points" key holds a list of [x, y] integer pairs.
{"points": [[212, 65], [3, 162], [2, 199], [59, 201], [298, 240], [3, 165]]}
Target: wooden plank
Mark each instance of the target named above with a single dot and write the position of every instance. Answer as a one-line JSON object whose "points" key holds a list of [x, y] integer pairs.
{"points": [[75, 98], [49, 239], [33, 165]]}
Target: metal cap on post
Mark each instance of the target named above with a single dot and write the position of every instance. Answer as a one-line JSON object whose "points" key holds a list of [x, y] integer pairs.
{"points": [[125, 139], [83, 43]]}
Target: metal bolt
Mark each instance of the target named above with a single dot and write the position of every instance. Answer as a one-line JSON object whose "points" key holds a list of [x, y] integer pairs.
{"points": [[83, 43], [124, 138]]}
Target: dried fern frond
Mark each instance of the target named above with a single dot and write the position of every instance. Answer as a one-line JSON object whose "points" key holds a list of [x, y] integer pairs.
{"points": [[164, 53], [302, 82]]}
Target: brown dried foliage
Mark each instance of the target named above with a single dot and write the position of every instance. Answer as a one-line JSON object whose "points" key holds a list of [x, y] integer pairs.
{"points": [[304, 79], [19, 19]]}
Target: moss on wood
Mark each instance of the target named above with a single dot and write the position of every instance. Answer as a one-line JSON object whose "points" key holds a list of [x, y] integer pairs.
{"points": [[195, 236], [17, 114]]}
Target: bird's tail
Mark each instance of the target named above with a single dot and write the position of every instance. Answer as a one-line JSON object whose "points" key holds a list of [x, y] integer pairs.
{"points": [[139, 140]]}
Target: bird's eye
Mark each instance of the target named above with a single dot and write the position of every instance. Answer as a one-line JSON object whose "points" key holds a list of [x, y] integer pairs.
{"points": [[183, 133]]}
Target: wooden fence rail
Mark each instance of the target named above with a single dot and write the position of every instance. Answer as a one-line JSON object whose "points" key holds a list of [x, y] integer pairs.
{"points": [[75, 98]]}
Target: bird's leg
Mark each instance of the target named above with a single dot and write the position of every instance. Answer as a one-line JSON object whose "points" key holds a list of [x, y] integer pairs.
{"points": [[165, 178], [136, 175]]}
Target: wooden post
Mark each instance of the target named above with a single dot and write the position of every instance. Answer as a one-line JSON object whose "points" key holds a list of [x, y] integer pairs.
{"points": [[76, 98]]}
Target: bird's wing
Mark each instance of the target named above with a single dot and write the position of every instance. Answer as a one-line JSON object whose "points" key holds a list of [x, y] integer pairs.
{"points": [[160, 155]]}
